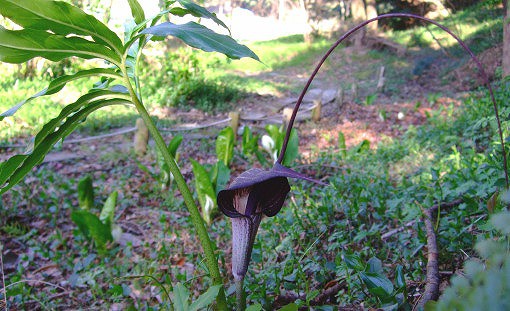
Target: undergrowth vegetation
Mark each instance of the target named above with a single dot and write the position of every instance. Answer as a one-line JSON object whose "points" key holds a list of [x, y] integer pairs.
{"points": [[360, 241], [334, 236]]}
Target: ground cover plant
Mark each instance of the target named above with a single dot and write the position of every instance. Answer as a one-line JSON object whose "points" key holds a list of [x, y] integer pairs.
{"points": [[339, 250]]}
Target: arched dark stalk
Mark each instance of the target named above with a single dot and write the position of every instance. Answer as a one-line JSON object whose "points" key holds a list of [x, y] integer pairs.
{"points": [[482, 72]]}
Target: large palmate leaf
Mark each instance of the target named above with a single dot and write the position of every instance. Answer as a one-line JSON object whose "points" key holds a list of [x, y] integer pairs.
{"points": [[199, 11], [18, 166], [18, 46], [84, 100], [203, 38], [58, 84], [60, 18]]}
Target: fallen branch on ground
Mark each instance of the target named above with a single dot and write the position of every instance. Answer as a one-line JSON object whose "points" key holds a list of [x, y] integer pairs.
{"points": [[432, 281]]}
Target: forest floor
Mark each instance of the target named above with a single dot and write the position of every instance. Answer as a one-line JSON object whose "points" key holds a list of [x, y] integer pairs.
{"points": [[388, 114]]}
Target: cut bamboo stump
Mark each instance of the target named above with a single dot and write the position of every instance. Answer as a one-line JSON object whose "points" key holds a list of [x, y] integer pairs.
{"points": [[234, 121], [339, 100], [316, 111], [287, 114], [354, 90], [141, 138], [381, 80]]}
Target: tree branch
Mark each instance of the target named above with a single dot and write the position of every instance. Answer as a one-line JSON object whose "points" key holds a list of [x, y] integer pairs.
{"points": [[432, 284]]}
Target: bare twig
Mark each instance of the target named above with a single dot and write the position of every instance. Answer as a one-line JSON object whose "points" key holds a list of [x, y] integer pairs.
{"points": [[432, 284], [327, 294], [397, 230], [320, 299]]}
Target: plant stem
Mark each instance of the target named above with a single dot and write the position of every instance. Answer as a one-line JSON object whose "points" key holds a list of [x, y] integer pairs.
{"points": [[240, 295], [203, 236]]}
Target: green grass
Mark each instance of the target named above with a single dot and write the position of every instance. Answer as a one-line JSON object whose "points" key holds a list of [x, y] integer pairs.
{"points": [[480, 25], [275, 54]]}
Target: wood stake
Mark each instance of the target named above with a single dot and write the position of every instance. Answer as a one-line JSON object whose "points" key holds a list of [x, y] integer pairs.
{"points": [[287, 113], [354, 92], [316, 112], [380, 82], [340, 98], [234, 120], [141, 138]]}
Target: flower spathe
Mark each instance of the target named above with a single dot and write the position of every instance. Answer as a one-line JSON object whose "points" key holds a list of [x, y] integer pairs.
{"points": [[252, 194]]}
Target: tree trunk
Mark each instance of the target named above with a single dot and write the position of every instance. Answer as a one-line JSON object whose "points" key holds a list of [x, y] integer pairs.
{"points": [[371, 12], [358, 10], [281, 10], [506, 40], [358, 14]]}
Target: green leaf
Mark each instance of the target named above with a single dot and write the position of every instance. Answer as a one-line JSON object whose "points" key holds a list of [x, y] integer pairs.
{"points": [[108, 211], [363, 146], [58, 84], [136, 11], [60, 18], [178, 11], [18, 46], [353, 261], [222, 176], [206, 299], [16, 167], [375, 280], [289, 307], [292, 151], [181, 296], [86, 193], [73, 108], [375, 265], [275, 133], [250, 142], [255, 307], [225, 145], [400, 280], [199, 11], [341, 144], [205, 190], [312, 294], [203, 38], [90, 225], [174, 145]]}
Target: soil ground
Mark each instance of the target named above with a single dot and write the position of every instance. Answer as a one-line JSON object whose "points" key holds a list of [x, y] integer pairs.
{"points": [[388, 117]]}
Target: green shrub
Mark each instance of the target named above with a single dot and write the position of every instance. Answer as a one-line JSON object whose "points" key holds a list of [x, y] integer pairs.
{"points": [[182, 83]]}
